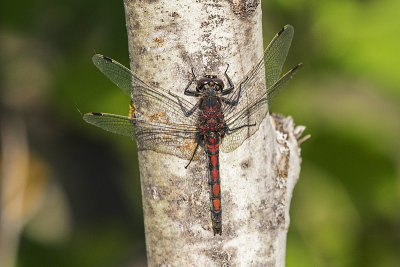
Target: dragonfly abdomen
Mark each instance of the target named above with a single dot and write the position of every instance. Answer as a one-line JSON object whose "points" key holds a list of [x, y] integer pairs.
{"points": [[212, 149]]}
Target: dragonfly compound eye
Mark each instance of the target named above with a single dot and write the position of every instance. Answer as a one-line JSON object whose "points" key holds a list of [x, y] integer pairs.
{"points": [[219, 84], [201, 82]]}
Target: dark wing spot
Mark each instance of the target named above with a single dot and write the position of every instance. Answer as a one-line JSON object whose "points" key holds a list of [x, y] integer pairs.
{"points": [[97, 114], [282, 30], [107, 58], [298, 66]]}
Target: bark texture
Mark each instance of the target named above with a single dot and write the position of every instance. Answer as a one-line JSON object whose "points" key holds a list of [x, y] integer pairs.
{"points": [[167, 39]]}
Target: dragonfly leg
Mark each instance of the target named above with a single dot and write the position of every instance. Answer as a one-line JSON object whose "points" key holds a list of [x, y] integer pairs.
{"points": [[188, 112], [187, 91], [228, 101], [230, 131], [231, 86], [194, 152], [235, 101]]}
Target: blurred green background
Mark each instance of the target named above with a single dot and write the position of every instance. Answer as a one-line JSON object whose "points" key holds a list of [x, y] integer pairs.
{"points": [[80, 202]]}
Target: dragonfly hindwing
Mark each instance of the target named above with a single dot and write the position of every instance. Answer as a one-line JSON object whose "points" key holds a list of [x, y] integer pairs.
{"points": [[110, 122], [279, 84]]}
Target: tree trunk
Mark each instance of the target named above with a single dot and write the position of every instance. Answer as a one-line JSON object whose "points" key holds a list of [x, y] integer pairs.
{"points": [[167, 39]]}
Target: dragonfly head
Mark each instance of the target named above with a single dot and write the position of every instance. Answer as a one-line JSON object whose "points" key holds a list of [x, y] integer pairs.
{"points": [[209, 82]]}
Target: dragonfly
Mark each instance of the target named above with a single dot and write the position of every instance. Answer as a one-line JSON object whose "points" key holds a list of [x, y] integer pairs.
{"points": [[221, 119]]}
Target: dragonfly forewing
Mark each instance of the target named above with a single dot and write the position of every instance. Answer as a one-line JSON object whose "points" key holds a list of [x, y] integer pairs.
{"points": [[255, 96], [265, 72], [116, 72]]}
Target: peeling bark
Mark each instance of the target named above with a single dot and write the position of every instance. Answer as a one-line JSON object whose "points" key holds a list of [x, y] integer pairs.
{"points": [[167, 39]]}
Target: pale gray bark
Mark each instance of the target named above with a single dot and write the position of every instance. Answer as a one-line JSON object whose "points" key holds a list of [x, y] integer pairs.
{"points": [[257, 179]]}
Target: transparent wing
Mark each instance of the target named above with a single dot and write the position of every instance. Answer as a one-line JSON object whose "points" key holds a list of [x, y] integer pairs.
{"points": [[256, 110], [113, 123], [251, 92], [159, 123], [266, 70], [128, 81], [178, 140], [116, 72]]}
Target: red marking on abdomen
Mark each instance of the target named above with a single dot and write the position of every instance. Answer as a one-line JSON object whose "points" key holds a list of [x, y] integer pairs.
{"points": [[214, 108], [213, 149], [215, 189], [214, 174], [216, 204], [214, 160]]}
